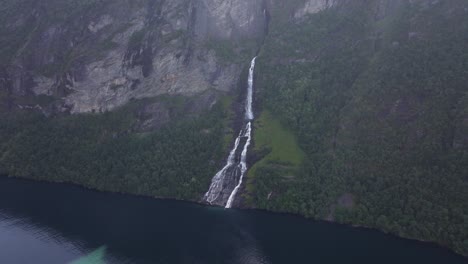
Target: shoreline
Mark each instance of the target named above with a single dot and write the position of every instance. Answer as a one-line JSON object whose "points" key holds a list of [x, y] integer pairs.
{"points": [[431, 244]]}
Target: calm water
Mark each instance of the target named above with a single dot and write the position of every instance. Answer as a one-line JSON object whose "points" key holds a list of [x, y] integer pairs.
{"points": [[49, 223]]}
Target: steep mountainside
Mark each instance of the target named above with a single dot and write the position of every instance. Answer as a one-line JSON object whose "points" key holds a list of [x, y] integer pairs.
{"points": [[168, 70], [97, 55], [376, 94], [361, 106]]}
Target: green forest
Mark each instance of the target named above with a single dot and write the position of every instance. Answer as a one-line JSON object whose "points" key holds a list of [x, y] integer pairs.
{"points": [[106, 151], [362, 119], [378, 109]]}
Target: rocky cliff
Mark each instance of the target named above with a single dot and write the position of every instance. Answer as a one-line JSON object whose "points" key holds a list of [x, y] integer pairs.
{"points": [[92, 56], [97, 55]]}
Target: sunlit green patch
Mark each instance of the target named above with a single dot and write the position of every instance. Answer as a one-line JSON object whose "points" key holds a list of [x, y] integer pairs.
{"points": [[270, 133], [280, 144]]}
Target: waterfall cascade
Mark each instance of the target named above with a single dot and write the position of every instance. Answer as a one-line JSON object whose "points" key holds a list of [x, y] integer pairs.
{"points": [[227, 182]]}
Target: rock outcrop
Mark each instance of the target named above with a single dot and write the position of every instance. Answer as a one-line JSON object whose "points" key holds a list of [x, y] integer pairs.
{"points": [[97, 55], [107, 52], [314, 6]]}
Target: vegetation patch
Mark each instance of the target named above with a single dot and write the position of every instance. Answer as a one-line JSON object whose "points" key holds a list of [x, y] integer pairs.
{"points": [[377, 107], [284, 153], [282, 143], [226, 102], [105, 151]]}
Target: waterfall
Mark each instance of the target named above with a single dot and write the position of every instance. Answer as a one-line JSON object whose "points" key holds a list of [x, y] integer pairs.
{"points": [[218, 180], [227, 182], [243, 165], [248, 105]]}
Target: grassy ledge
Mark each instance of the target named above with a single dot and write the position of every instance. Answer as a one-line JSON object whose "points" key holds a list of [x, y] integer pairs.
{"points": [[271, 137]]}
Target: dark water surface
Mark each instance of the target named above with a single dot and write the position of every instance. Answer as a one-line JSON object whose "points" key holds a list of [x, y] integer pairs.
{"points": [[54, 223]]}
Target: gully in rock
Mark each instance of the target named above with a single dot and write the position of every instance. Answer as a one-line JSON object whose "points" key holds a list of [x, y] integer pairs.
{"points": [[227, 182]]}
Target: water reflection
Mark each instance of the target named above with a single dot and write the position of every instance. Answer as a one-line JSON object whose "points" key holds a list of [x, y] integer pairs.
{"points": [[21, 241], [250, 251], [248, 248], [24, 241], [50, 223]]}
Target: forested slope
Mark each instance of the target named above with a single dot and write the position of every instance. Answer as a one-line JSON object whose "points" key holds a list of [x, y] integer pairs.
{"points": [[362, 105], [118, 95], [379, 106], [114, 152]]}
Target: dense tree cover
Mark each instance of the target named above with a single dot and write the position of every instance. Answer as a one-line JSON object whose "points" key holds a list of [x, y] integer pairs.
{"points": [[378, 106], [104, 151]]}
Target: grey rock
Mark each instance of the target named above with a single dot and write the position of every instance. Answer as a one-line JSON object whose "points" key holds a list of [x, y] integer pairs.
{"points": [[118, 50], [314, 6]]}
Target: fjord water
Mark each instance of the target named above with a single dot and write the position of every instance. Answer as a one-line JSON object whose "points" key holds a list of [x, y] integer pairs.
{"points": [[56, 223]]}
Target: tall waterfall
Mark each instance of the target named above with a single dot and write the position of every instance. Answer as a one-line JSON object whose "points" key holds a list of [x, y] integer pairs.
{"points": [[248, 104], [227, 182]]}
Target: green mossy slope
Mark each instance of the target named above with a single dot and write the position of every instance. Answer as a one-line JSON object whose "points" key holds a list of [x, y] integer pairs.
{"points": [[379, 107]]}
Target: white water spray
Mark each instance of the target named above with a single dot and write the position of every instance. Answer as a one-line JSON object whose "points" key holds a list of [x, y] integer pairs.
{"points": [[233, 172], [218, 180], [248, 106], [243, 165]]}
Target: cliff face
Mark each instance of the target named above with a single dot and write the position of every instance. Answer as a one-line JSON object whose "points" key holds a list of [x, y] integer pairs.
{"points": [[381, 7], [230, 19], [97, 55], [314, 6]]}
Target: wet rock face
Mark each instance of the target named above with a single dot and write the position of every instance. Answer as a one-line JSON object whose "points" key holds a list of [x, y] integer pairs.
{"points": [[108, 52], [103, 53], [381, 8], [315, 6], [228, 19]]}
